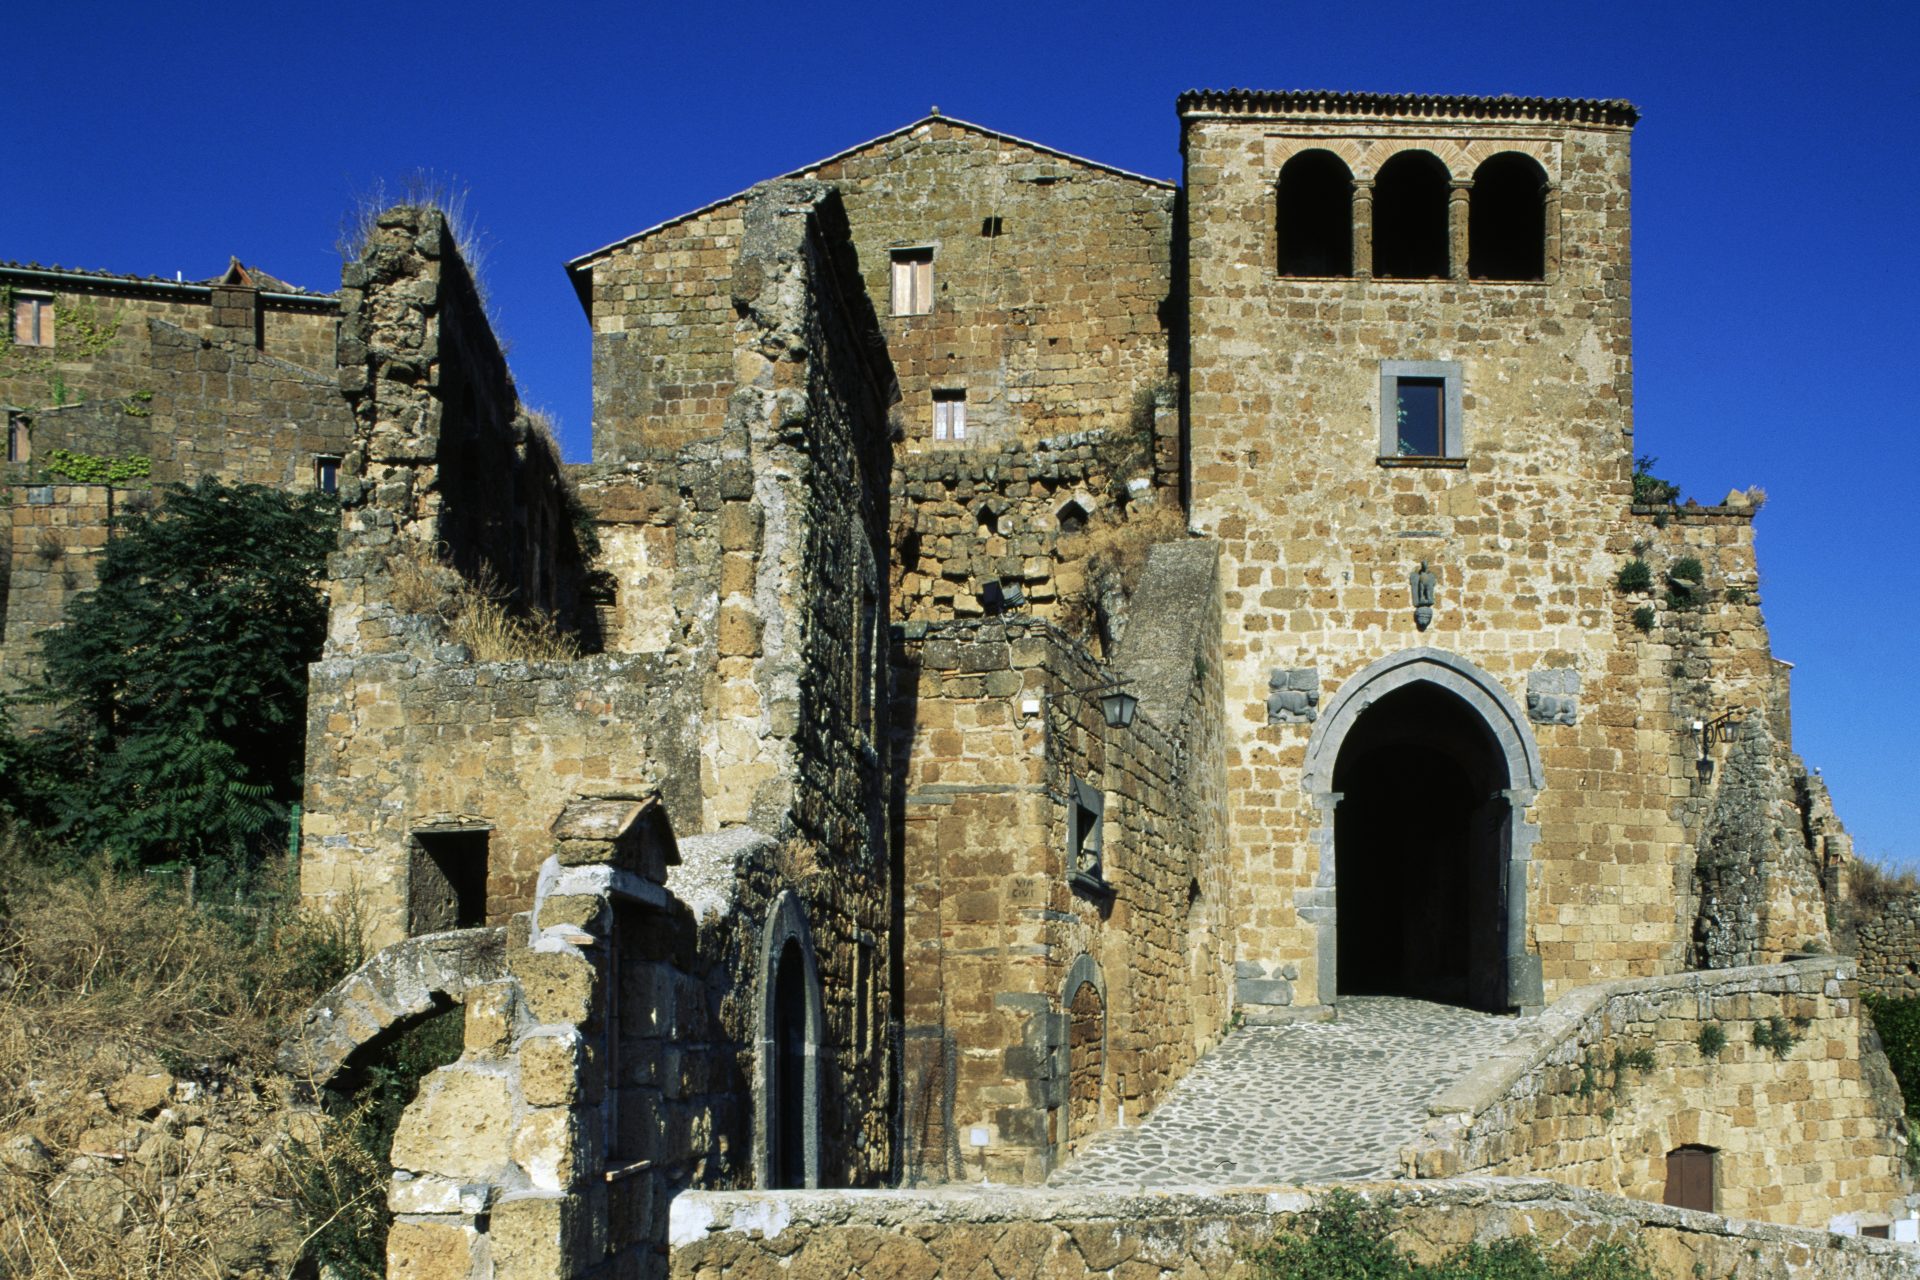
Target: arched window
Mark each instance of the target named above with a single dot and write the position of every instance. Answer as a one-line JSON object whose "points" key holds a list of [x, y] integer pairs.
{"points": [[1410, 218], [1316, 216], [1507, 219]]}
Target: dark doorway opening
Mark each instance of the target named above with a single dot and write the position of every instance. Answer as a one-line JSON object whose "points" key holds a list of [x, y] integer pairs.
{"points": [[1410, 235], [788, 1137], [1421, 841], [447, 880]]}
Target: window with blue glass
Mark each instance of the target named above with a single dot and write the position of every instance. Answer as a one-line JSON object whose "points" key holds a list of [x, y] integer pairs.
{"points": [[1420, 411]]}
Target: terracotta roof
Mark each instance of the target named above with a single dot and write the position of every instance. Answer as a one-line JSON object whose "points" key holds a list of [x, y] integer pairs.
{"points": [[267, 283], [807, 170], [1610, 111]]}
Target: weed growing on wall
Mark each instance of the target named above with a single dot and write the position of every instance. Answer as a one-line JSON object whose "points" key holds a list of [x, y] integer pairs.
{"points": [[1711, 1040], [1348, 1237], [1634, 575], [1776, 1035]]}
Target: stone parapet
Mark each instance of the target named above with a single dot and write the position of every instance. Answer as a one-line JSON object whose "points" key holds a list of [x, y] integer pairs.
{"points": [[1752, 1062], [1201, 1234]]}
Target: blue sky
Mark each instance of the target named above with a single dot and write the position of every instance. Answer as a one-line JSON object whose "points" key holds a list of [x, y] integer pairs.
{"points": [[1775, 192]]}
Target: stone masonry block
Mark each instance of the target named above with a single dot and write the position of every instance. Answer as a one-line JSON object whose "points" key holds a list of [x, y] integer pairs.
{"points": [[430, 1251], [459, 1126], [557, 986], [550, 1070]]}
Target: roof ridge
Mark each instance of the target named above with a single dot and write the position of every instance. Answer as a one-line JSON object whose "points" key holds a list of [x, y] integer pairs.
{"points": [[1611, 111], [805, 170]]}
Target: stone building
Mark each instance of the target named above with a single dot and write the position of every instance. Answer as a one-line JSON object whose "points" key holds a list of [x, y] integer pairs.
{"points": [[111, 384], [820, 853]]}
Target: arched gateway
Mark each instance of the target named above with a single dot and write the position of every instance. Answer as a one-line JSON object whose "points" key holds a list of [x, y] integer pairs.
{"points": [[1422, 769]]}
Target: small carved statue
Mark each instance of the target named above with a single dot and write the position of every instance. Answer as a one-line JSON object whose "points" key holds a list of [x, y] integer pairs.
{"points": [[1422, 581]]}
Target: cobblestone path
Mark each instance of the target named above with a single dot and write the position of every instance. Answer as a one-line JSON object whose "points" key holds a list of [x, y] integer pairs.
{"points": [[1305, 1102]]}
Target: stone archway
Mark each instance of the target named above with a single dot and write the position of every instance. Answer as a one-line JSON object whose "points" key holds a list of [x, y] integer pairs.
{"points": [[1082, 1047], [786, 1071], [1463, 747]]}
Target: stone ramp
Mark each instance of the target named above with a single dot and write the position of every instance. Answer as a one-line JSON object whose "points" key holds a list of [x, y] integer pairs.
{"points": [[1299, 1103]]}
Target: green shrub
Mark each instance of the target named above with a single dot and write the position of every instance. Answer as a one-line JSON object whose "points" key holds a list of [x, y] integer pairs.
{"points": [[1650, 490], [1898, 1022], [1644, 618], [1635, 575], [1687, 569], [1711, 1040], [1349, 1238], [182, 678]]}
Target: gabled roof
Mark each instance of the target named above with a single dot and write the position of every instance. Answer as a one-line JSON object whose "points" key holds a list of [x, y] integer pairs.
{"points": [[808, 170], [1611, 111]]}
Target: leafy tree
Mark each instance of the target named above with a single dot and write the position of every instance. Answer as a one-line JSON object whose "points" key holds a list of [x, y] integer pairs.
{"points": [[183, 676]]}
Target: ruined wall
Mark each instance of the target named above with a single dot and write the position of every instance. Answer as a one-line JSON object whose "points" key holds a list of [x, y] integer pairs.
{"points": [[1192, 1234], [1009, 916], [1052, 324], [595, 1079], [411, 741], [1770, 1066], [446, 465], [1522, 525]]}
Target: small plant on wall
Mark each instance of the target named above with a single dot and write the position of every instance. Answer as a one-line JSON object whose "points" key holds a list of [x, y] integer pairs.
{"points": [[1634, 576], [1643, 618], [1711, 1040], [1776, 1035]]}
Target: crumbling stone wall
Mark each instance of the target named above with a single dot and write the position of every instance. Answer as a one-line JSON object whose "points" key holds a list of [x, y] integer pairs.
{"points": [[1052, 277], [1622, 1073], [1886, 937], [1012, 909], [1187, 1235], [446, 464], [968, 520], [56, 534]]}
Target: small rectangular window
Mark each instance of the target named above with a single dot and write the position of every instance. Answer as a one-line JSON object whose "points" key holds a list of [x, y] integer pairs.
{"points": [[992, 225], [19, 444], [912, 282], [1420, 420], [326, 474], [949, 415], [1086, 837], [32, 320]]}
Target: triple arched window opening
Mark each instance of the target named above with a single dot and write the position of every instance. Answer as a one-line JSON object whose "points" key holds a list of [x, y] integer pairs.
{"points": [[1404, 228]]}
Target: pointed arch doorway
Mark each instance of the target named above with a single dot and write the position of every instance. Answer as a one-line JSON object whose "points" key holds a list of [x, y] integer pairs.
{"points": [[1422, 769]]}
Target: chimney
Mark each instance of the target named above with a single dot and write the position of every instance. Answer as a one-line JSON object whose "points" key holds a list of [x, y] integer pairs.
{"points": [[236, 307]]}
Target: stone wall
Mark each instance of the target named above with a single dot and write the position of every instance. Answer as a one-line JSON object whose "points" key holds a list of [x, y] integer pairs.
{"points": [[1886, 937], [1000, 517], [56, 535], [142, 370], [1052, 285], [1190, 1234], [1771, 1066], [1045, 853]]}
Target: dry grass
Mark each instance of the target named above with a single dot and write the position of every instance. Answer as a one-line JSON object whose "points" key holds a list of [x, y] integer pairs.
{"points": [[142, 1132], [1872, 885], [1113, 548], [476, 613]]}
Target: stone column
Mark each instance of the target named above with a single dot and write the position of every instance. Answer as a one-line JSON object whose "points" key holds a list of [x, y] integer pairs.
{"points": [[1363, 228], [1550, 250], [1457, 214]]}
